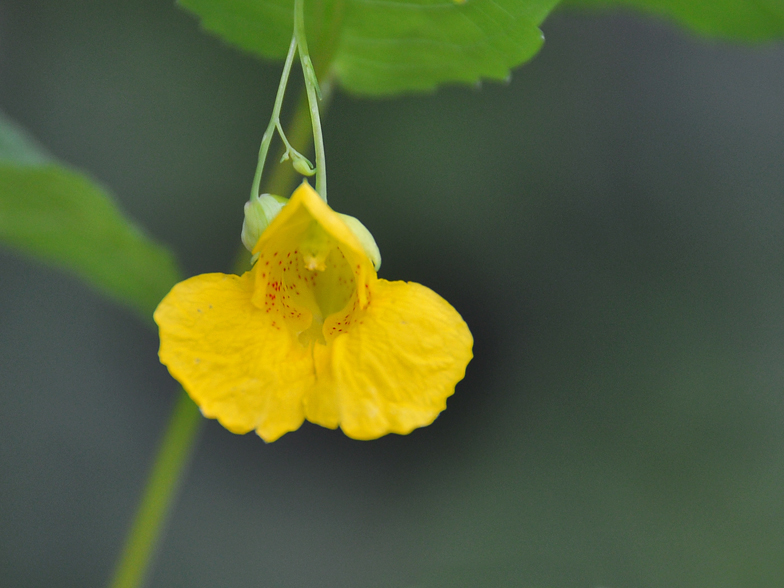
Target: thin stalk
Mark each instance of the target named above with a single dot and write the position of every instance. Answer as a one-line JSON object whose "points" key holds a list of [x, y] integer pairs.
{"points": [[162, 485], [274, 119], [312, 90]]}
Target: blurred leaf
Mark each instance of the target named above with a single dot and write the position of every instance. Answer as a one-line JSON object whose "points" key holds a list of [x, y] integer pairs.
{"points": [[18, 147], [379, 47], [757, 20], [63, 217]]}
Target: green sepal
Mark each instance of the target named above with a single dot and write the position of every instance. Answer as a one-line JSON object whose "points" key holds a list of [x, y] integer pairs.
{"points": [[365, 238], [259, 212]]}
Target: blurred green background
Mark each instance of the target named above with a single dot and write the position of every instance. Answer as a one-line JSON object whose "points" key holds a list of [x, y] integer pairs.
{"points": [[609, 224]]}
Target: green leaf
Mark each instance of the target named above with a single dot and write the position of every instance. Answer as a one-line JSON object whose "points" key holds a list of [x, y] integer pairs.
{"points": [[18, 147], [742, 20], [382, 47], [61, 216]]}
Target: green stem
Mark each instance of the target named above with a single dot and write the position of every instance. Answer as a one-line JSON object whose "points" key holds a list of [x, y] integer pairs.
{"points": [[274, 119], [173, 456], [282, 179], [312, 89]]}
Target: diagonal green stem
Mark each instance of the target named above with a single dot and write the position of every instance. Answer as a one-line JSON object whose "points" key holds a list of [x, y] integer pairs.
{"points": [[173, 456]]}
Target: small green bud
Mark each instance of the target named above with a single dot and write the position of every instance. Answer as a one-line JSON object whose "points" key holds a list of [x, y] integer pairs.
{"points": [[299, 162], [259, 212], [303, 166], [365, 238]]}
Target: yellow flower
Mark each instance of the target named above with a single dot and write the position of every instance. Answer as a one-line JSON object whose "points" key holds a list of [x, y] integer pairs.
{"points": [[311, 333]]}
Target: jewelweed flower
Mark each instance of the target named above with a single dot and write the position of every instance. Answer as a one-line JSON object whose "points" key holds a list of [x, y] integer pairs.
{"points": [[311, 332]]}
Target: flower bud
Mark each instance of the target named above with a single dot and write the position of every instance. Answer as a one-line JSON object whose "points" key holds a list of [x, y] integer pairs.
{"points": [[303, 166], [365, 238], [259, 212]]}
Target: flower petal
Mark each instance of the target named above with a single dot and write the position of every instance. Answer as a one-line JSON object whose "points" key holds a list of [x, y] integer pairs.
{"points": [[237, 362], [393, 370], [294, 221]]}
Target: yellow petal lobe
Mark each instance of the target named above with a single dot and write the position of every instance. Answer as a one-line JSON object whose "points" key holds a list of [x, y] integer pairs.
{"points": [[393, 370], [237, 362]]}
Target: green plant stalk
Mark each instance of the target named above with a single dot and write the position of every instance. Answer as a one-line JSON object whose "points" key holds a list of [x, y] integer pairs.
{"points": [[274, 119], [173, 456], [312, 90], [300, 135]]}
